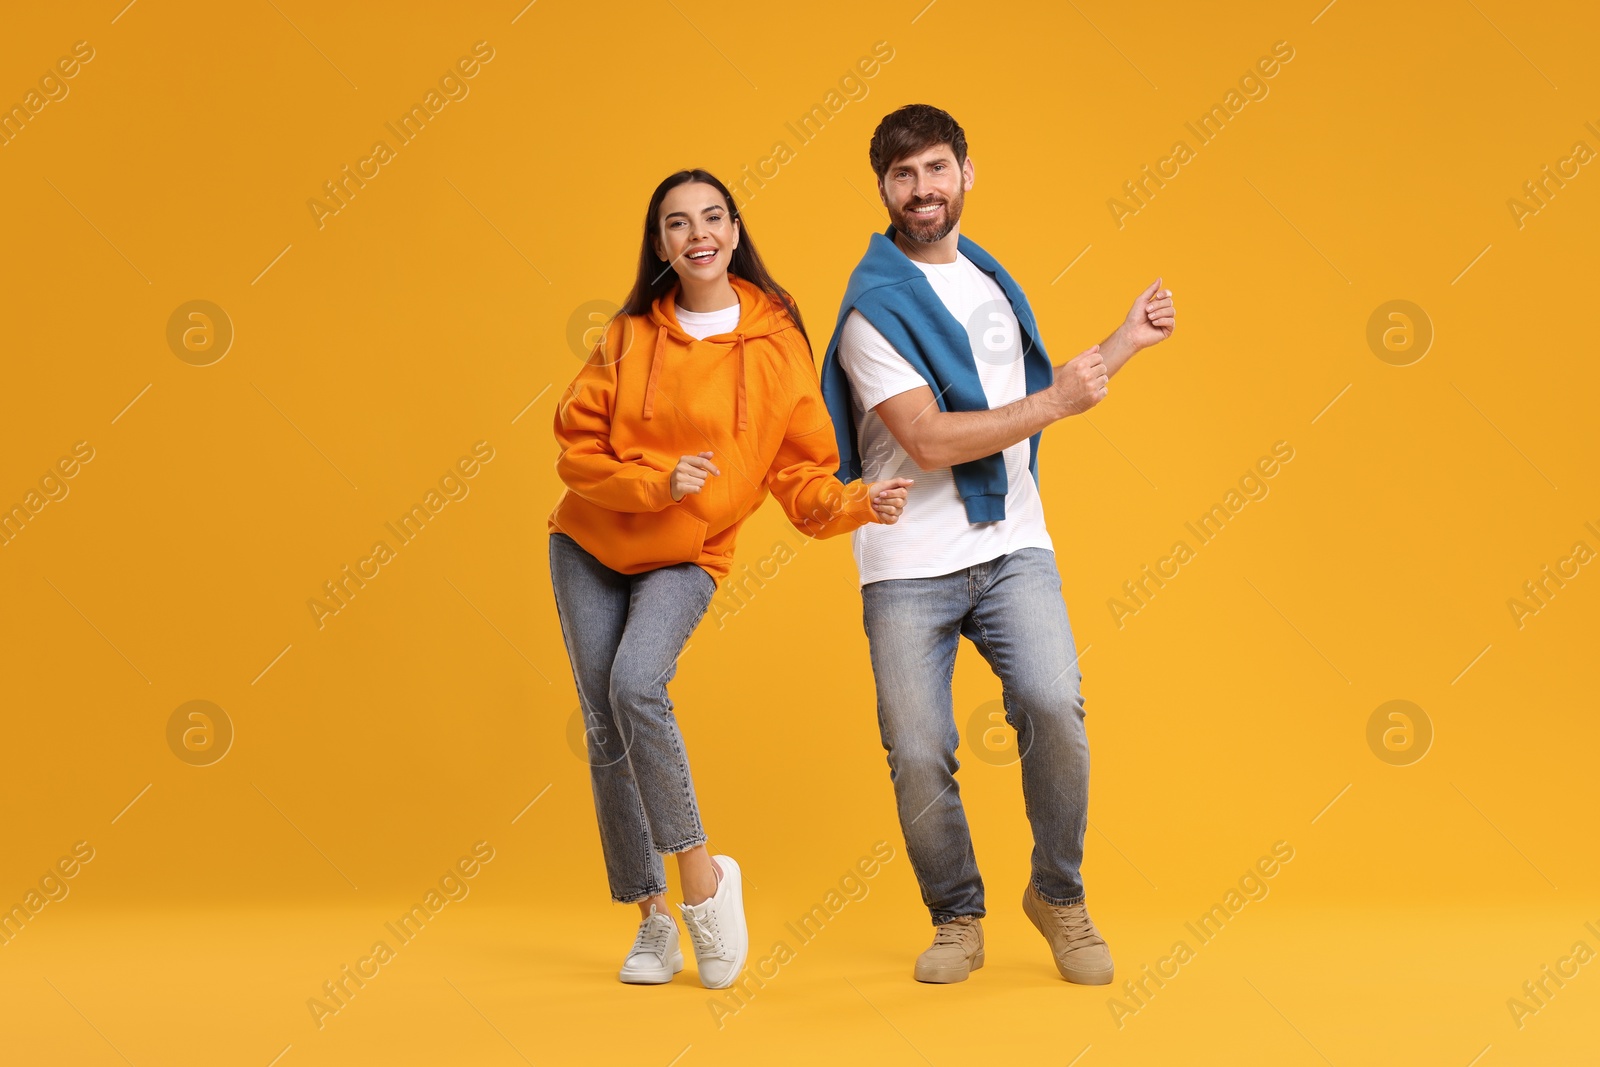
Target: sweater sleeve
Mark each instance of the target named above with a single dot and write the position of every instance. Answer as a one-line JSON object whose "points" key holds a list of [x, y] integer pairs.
{"points": [[587, 463], [802, 477]]}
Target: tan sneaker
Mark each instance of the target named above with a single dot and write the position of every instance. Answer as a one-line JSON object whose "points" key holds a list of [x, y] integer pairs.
{"points": [[956, 952], [1081, 953]]}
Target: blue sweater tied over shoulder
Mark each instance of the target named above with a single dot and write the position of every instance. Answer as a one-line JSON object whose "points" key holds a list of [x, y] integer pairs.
{"points": [[897, 299]]}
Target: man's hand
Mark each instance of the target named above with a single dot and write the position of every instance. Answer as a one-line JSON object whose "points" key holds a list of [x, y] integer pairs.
{"points": [[690, 474], [1080, 383], [889, 498], [1151, 319]]}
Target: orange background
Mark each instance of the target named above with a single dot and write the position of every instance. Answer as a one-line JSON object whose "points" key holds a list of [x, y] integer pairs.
{"points": [[432, 312]]}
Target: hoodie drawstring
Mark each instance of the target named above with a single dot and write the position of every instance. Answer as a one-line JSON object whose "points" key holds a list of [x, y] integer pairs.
{"points": [[656, 359], [740, 404]]}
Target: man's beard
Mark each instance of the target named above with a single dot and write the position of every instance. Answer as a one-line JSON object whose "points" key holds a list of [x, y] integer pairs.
{"points": [[930, 231]]}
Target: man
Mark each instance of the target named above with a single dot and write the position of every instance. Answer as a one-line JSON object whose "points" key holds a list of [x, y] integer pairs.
{"points": [[936, 370]]}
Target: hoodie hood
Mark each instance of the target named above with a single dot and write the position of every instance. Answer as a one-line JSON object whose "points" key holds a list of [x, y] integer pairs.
{"points": [[760, 315]]}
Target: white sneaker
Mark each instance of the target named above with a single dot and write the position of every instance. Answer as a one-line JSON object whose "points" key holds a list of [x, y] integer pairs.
{"points": [[655, 956], [717, 928]]}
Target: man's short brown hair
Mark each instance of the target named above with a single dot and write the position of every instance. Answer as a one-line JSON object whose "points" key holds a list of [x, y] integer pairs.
{"points": [[912, 129]]}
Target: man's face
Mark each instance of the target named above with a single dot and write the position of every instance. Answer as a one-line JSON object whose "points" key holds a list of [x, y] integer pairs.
{"points": [[925, 193]]}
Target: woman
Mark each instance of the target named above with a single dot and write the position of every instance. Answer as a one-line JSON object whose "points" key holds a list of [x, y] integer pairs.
{"points": [[701, 399]]}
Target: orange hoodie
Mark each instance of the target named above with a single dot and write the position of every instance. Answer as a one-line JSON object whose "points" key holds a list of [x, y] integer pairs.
{"points": [[650, 394]]}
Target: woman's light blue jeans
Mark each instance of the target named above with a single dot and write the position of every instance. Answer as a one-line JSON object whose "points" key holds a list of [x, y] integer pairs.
{"points": [[623, 634]]}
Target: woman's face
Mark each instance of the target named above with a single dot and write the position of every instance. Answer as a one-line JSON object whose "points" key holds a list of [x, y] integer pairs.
{"points": [[695, 233]]}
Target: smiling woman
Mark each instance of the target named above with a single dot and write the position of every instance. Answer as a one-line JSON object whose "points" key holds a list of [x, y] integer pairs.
{"points": [[721, 375], [704, 219]]}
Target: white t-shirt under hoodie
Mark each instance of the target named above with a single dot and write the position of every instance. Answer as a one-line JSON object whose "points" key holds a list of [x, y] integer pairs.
{"points": [[703, 324], [933, 536]]}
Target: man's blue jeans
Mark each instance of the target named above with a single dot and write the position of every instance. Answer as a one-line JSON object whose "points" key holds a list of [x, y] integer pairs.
{"points": [[1011, 609]]}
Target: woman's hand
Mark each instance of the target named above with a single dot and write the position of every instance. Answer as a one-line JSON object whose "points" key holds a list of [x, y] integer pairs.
{"points": [[889, 498], [690, 474]]}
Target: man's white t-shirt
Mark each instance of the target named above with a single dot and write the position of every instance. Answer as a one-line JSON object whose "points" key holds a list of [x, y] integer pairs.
{"points": [[933, 536]]}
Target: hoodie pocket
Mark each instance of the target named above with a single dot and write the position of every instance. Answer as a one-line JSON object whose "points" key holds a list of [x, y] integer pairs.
{"points": [[632, 541]]}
